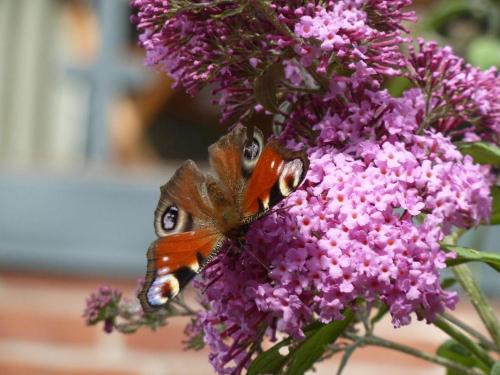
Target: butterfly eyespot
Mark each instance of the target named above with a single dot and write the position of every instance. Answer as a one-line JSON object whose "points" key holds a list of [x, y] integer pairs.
{"points": [[251, 152], [170, 218]]}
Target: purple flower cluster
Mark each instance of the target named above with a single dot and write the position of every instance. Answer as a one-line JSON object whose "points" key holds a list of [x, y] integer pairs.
{"points": [[345, 34], [102, 306], [199, 43], [380, 195], [366, 224], [182, 45], [459, 94], [385, 184]]}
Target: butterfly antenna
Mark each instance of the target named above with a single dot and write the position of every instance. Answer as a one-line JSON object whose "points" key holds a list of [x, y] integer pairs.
{"points": [[213, 281], [281, 209], [258, 260]]}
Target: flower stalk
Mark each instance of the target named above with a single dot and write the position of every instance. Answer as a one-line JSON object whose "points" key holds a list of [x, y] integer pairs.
{"points": [[481, 304], [483, 341], [485, 311], [384, 343], [484, 358]]}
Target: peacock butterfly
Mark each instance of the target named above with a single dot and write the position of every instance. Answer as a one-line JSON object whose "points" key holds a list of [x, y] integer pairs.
{"points": [[197, 212]]}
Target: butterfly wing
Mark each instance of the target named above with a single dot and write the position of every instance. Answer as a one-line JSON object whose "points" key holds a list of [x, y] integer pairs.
{"points": [[173, 261], [277, 173], [233, 160], [258, 175], [196, 210], [188, 237], [184, 203]]}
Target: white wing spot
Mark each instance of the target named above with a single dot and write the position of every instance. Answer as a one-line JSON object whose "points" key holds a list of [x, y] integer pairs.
{"points": [[195, 266], [163, 271], [155, 297], [292, 170]]}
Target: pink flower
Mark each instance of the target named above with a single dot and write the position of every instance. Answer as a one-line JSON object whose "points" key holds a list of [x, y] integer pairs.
{"points": [[103, 306], [351, 32], [459, 92]]}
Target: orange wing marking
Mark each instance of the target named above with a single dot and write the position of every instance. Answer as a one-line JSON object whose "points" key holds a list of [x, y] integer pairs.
{"points": [[264, 176], [182, 249]]}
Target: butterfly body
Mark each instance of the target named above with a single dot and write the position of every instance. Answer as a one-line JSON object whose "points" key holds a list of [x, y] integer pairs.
{"points": [[198, 212], [226, 208]]}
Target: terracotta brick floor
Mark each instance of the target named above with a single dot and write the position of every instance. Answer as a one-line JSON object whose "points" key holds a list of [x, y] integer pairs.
{"points": [[42, 332]]}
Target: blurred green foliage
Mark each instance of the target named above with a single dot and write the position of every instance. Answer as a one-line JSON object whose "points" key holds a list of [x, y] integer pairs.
{"points": [[471, 27]]}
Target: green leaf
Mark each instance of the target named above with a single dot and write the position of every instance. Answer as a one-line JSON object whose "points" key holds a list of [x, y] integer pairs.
{"points": [[265, 87], [465, 254], [495, 370], [270, 361], [481, 152], [457, 353], [495, 207], [318, 336], [314, 345]]}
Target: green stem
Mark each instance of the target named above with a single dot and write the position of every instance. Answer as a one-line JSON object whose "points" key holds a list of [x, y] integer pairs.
{"points": [[453, 238], [479, 301], [474, 348], [464, 276], [484, 341], [377, 341]]}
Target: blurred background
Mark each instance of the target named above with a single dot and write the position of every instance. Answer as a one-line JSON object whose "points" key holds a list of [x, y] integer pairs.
{"points": [[87, 136]]}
